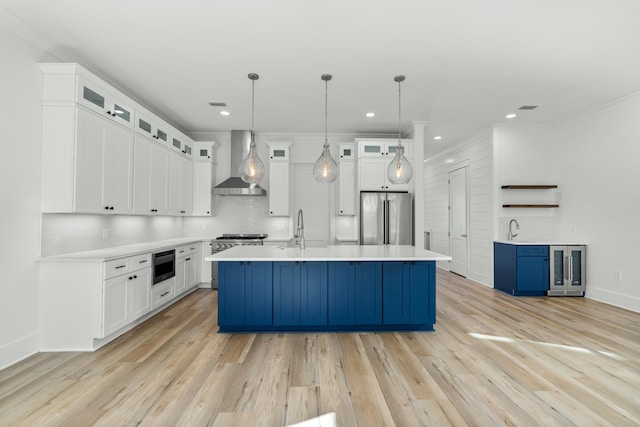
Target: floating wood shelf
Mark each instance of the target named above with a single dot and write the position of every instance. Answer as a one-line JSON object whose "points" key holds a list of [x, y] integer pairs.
{"points": [[528, 187], [530, 206]]}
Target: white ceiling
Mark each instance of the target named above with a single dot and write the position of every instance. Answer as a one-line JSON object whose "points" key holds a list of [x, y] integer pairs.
{"points": [[467, 62]]}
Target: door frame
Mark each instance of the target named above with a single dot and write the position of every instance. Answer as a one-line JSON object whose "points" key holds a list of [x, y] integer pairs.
{"points": [[463, 164]]}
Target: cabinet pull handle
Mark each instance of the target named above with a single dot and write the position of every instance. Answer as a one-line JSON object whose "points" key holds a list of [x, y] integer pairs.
{"points": [[130, 278], [143, 261], [165, 293], [120, 266], [135, 277]]}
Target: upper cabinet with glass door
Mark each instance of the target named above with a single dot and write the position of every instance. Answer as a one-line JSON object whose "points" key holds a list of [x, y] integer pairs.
{"points": [[103, 101], [383, 147], [182, 144], [150, 126]]}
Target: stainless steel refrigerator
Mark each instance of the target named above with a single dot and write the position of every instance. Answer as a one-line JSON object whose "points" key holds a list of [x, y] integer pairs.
{"points": [[386, 218]]}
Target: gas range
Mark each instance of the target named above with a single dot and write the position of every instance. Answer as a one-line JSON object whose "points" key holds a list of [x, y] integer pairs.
{"points": [[227, 241]]}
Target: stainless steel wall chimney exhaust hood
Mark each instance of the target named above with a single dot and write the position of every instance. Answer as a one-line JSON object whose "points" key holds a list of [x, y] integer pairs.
{"points": [[234, 185]]}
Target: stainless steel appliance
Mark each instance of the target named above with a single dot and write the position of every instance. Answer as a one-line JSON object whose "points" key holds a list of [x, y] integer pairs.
{"points": [[164, 265], [227, 241], [234, 185], [567, 271], [386, 218]]}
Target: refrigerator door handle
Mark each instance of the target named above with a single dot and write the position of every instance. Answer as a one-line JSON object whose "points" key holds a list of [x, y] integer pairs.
{"points": [[385, 222]]}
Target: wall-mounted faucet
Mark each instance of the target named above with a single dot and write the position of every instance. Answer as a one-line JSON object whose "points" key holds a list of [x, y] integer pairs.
{"points": [[300, 231], [511, 233]]}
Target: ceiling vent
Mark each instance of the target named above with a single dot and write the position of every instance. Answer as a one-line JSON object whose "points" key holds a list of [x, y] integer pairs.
{"points": [[218, 104], [528, 107]]}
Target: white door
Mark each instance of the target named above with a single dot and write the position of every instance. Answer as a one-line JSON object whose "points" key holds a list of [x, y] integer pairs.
{"points": [[458, 221], [313, 198]]}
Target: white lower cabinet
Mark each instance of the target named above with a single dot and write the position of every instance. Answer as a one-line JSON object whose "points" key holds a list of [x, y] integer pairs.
{"points": [[126, 298], [186, 268], [86, 303], [140, 294], [115, 304], [162, 293]]}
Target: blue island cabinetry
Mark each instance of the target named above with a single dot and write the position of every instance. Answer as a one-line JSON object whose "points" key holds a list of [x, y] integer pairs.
{"points": [[266, 296], [521, 270]]}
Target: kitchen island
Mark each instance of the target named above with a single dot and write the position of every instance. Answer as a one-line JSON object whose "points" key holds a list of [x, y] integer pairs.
{"points": [[334, 288]]}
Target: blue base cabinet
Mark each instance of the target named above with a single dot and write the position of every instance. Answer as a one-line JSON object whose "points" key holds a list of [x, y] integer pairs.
{"points": [[408, 294], [326, 296], [300, 293], [244, 294], [355, 293], [521, 270]]}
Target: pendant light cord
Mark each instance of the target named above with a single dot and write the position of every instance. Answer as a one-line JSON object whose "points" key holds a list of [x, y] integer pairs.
{"points": [[326, 85], [253, 85], [399, 113]]}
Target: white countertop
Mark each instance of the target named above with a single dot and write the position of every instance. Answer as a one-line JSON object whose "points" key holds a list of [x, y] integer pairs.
{"points": [[115, 252], [542, 242], [329, 253]]}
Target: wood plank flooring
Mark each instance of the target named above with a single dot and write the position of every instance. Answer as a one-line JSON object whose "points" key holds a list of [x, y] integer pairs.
{"points": [[493, 360]]}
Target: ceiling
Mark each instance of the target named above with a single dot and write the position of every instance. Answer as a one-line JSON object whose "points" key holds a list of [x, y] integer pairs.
{"points": [[467, 62]]}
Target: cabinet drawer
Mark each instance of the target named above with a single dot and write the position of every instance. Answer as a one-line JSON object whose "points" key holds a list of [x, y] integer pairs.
{"points": [[140, 261], [117, 267], [185, 250], [161, 293], [532, 251]]}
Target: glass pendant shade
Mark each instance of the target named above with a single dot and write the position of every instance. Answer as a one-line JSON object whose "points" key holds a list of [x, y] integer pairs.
{"points": [[325, 168], [400, 170], [252, 168]]}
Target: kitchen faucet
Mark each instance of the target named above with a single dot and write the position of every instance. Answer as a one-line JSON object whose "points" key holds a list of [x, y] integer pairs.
{"points": [[300, 231], [511, 234]]}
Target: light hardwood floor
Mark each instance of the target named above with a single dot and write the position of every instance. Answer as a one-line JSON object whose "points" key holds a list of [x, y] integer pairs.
{"points": [[493, 360]]}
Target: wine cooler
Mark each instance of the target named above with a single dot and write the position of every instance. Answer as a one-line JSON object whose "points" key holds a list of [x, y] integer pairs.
{"points": [[567, 270]]}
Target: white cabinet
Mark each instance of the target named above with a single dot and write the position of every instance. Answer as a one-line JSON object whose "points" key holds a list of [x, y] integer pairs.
{"points": [[115, 306], [180, 185], [186, 268], [140, 294], [373, 160], [279, 176], [101, 100], [162, 293], [150, 126], [104, 166], [203, 180], [346, 180], [150, 177], [279, 179], [182, 144]]}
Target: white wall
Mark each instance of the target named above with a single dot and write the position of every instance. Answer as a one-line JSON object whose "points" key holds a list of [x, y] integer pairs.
{"points": [[21, 124], [600, 180], [525, 155], [477, 154]]}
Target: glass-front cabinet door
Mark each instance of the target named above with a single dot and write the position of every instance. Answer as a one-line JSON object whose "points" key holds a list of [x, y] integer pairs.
{"points": [[100, 100]]}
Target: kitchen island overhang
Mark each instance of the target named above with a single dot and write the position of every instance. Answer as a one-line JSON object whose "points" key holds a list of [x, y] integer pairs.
{"points": [[334, 288]]}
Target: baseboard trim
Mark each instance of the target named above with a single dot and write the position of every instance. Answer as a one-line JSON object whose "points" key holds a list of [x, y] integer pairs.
{"points": [[18, 350], [613, 298]]}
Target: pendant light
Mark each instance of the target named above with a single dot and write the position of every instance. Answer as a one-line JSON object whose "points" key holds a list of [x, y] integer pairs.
{"points": [[400, 170], [325, 168], [252, 168]]}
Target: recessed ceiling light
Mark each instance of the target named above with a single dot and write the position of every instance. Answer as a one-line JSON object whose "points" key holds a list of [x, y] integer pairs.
{"points": [[438, 137], [224, 113], [450, 161], [510, 116], [370, 114]]}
